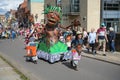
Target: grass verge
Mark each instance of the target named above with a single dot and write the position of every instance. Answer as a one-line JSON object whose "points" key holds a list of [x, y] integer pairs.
{"points": [[22, 76]]}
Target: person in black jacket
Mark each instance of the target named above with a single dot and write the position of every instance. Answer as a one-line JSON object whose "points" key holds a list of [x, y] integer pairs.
{"points": [[111, 38]]}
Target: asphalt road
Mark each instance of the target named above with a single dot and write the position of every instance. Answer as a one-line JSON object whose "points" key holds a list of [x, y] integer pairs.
{"points": [[89, 69]]}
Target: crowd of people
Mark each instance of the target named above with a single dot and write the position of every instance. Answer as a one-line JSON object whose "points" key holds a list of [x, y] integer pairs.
{"points": [[92, 41], [79, 40], [73, 38], [8, 33]]}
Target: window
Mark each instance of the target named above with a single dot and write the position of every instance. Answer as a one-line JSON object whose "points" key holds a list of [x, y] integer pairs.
{"points": [[112, 22], [74, 6], [58, 3], [112, 9], [111, 6]]}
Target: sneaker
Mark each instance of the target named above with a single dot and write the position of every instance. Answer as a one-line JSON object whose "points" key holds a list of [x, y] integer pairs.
{"points": [[104, 54], [35, 62], [88, 50], [94, 52], [75, 68], [113, 52], [71, 63]]}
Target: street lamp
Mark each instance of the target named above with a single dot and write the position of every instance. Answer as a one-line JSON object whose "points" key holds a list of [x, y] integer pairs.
{"points": [[84, 18]]}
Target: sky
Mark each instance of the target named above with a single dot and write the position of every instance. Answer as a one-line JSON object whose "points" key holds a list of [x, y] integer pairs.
{"points": [[37, 0], [6, 5]]}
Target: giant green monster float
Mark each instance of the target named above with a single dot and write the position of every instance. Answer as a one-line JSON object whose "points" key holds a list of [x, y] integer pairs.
{"points": [[51, 49]]}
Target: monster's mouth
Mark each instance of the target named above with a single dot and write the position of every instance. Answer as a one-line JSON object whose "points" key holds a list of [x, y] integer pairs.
{"points": [[52, 20]]}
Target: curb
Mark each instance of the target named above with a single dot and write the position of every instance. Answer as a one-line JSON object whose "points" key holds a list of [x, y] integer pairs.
{"points": [[25, 75], [112, 62], [22, 76]]}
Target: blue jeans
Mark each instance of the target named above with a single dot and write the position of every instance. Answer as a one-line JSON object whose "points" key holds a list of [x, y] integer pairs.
{"points": [[112, 45]]}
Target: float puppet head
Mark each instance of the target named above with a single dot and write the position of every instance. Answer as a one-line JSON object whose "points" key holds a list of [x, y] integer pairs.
{"points": [[53, 15]]}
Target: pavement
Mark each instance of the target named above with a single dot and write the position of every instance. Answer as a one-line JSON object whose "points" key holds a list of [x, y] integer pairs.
{"points": [[7, 72], [110, 57]]}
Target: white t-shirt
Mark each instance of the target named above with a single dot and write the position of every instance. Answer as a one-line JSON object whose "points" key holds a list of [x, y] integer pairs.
{"points": [[68, 44], [85, 34], [92, 37]]}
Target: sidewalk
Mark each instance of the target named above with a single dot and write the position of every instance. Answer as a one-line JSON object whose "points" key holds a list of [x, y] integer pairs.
{"points": [[7, 72], [113, 58]]}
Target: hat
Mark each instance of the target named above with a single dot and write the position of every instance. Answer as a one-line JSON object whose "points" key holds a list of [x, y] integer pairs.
{"points": [[78, 32], [111, 29], [102, 24]]}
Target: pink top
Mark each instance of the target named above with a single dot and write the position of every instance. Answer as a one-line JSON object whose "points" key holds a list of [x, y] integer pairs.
{"points": [[75, 56]]}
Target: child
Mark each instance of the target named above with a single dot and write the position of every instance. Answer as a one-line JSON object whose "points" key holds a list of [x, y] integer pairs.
{"points": [[76, 56], [68, 41]]}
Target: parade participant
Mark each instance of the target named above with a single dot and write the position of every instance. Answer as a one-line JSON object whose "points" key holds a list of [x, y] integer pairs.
{"points": [[67, 32], [76, 56], [51, 48], [76, 26], [31, 53], [27, 32], [78, 39], [31, 48]]}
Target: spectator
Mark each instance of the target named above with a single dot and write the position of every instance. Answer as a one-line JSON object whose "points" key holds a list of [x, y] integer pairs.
{"points": [[111, 39], [101, 38], [85, 37], [91, 40], [69, 30], [68, 41], [1, 26], [3, 34], [13, 34], [61, 37], [0, 33]]}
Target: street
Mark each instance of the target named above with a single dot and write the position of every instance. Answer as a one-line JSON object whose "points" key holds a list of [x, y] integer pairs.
{"points": [[89, 69]]}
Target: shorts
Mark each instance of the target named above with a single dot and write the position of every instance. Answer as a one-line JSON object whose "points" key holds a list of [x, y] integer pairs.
{"points": [[102, 42]]}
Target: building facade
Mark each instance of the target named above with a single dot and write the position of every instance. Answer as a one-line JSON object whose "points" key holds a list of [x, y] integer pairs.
{"points": [[36, 8], [111, 13], [90, 13], [83, 10], [30, 12], [2, 18], [23, 14]]}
